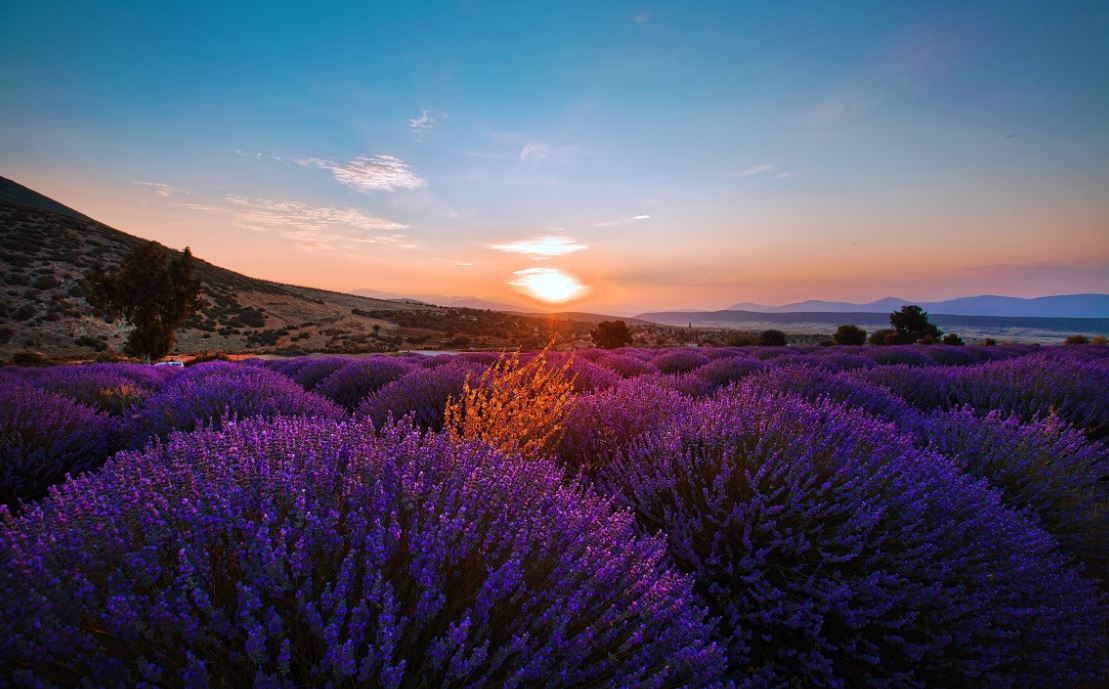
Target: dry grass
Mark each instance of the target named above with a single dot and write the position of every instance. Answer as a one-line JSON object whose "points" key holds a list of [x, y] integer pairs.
{"points": [[514, 407]]}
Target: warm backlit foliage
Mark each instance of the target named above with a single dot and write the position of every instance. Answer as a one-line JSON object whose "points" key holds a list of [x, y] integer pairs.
{"points": [[516, 407]]}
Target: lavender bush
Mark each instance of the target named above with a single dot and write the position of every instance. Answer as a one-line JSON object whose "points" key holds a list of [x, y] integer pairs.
{"points": [[352, 383], [835, 554], [312, 553], [44, 436], [102, 388], [1041, 466], [422, 394], [204, 398], [680, 361], [812, 383], [599, 426]]}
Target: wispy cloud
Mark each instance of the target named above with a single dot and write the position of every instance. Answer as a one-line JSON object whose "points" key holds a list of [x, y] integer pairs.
{"points": [[752, 171], [162, 189], [316, 228], [642, 17], [422, 124], [259, 156], [541, 247], [548, 284], [379, 173], [616, 222], [543, 152]]}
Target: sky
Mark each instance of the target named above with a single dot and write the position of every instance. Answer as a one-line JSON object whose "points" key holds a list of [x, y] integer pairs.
{"points": [[616, 156]]}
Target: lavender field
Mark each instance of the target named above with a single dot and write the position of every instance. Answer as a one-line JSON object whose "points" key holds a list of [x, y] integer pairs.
{"points": [[895, 516]]}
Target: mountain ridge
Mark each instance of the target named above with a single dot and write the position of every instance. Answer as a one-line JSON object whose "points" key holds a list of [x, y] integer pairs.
{"points": [[1081, 305]]}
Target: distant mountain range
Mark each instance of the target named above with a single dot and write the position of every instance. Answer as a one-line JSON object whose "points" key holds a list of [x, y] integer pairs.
{"points": [[1058, 306], [1019, 328]]}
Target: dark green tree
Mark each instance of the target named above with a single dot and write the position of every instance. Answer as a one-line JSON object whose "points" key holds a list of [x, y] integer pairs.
{"points": [[772, 338], [849, 335], [952, 339], [611, 334], [883, 336], [154, 290], [912, 325]]}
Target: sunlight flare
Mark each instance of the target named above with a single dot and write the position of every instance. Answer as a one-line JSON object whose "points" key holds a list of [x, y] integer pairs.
{"points": [[548, 284]]}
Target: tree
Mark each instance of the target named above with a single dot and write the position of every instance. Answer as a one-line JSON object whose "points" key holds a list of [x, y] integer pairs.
{"points": [[154, 290], [912, 325], [1077, 340], [849, 335], [772, 338], [883, 336], [952, 339], [611, 334]]}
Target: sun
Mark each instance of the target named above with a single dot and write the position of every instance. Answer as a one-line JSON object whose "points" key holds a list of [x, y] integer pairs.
{"points": [[548, 284]]}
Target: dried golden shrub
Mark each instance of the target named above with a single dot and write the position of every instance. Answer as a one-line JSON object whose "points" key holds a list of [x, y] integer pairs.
{"points": [[514, 407]]}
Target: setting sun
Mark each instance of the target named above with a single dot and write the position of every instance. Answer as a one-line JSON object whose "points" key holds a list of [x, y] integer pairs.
{"points": [[548, 284]]}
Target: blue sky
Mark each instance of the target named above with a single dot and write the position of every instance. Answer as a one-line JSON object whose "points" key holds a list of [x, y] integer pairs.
{"points": [[655, 154]]}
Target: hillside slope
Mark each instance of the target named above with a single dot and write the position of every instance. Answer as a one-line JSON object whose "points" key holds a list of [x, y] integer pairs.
{"points": [[46, 248]]}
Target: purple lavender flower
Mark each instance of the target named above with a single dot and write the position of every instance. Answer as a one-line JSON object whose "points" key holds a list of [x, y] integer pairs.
{"points": [[835, 554], [422, 393], [680, 360], [1042, 466], [352, 383], [600, 425], [205, 396], [44, 436], [314, 553]]}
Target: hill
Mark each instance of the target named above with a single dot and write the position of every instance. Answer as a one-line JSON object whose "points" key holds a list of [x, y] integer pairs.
{"points": [[1032, 329], [46, 248], [1056, 306]]}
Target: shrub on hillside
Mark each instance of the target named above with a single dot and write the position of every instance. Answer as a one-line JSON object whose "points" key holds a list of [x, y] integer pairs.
{"points": [[835, 554], [849, 335], [772, 338], [311, 553]]}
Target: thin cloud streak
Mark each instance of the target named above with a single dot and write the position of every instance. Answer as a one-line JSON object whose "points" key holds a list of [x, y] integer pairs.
{"points": [[162, 189], [363, 174], [622, 221], [752, 171], [541, 247], [316, 228]]}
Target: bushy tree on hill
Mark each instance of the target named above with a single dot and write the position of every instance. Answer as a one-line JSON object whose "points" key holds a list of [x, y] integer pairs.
{"points": [[153, 290], [611, 335], [849, 335], [912, 325], [772, 338]]}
